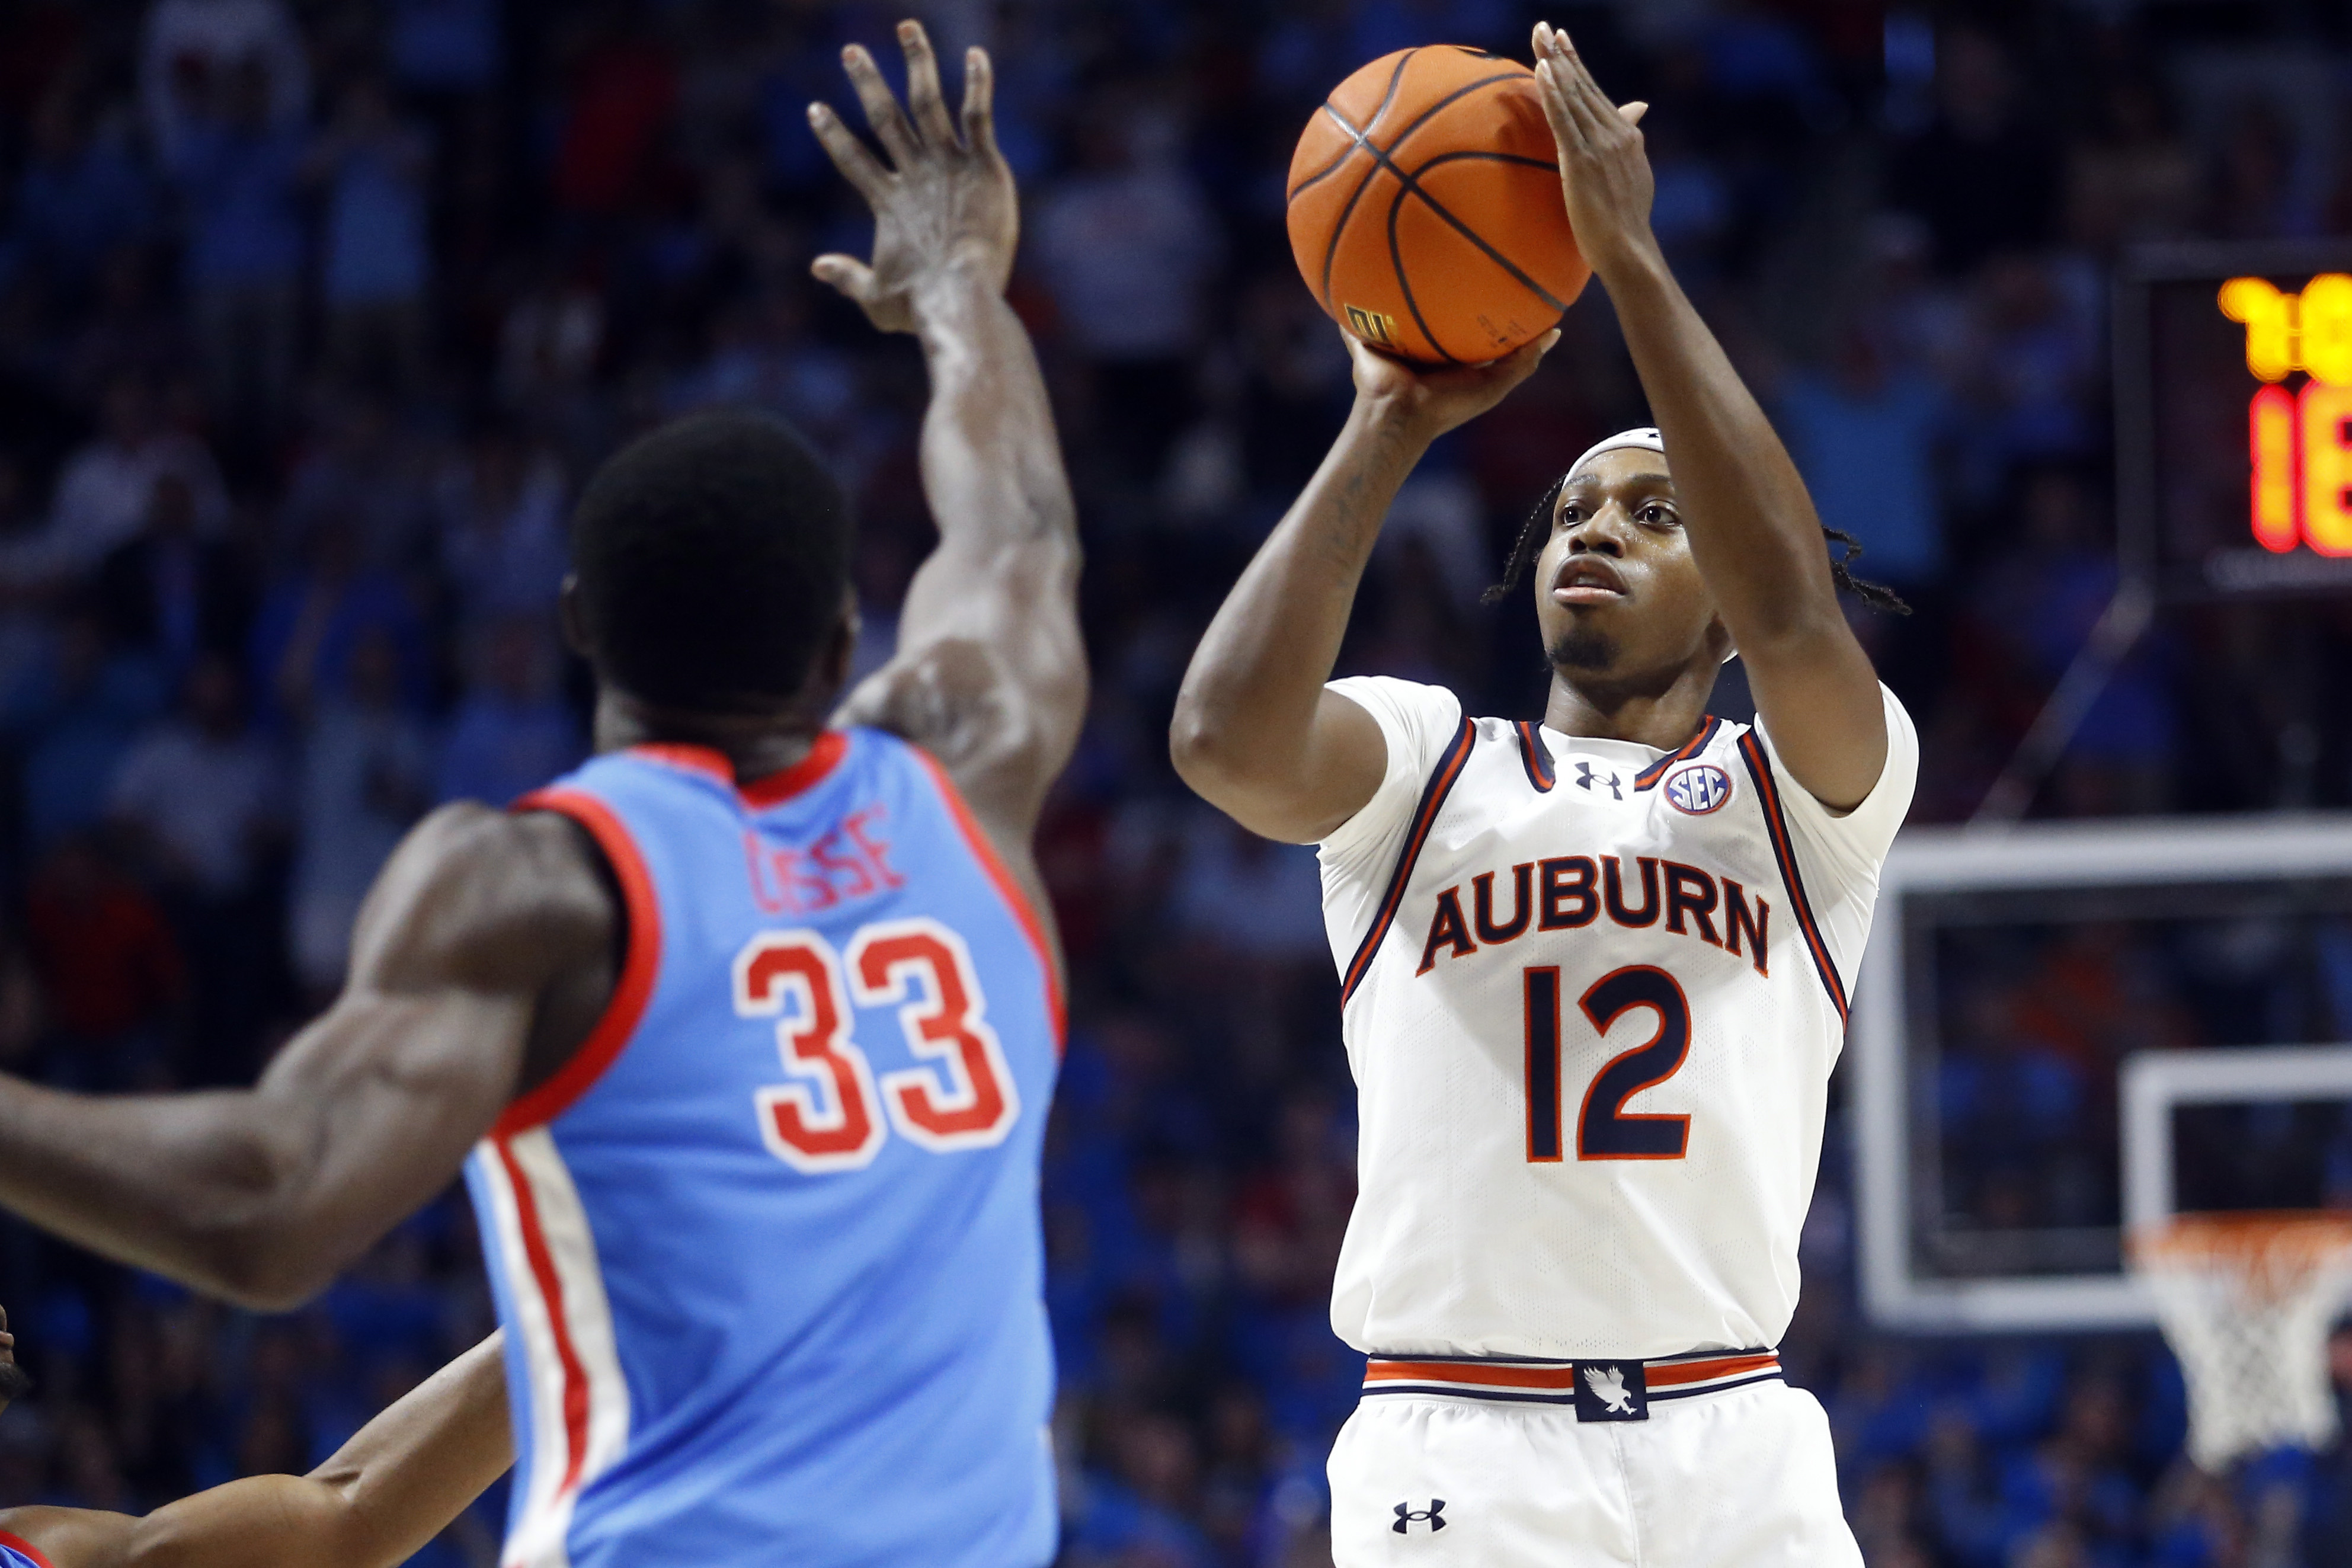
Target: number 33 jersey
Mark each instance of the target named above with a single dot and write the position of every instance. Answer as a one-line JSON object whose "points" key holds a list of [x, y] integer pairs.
{"points": [[767, 1249], [1592, 993]]}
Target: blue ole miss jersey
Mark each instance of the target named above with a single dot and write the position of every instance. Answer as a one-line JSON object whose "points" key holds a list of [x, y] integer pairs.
{"points": [[767, 1250]]}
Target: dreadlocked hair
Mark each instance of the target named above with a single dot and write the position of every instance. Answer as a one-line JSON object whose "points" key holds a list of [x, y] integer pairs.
{"points": [[1527, 547], [1877, 595], [1533, 532]]}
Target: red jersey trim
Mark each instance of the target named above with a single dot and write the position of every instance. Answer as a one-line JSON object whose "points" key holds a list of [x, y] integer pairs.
{"points": [[639, 965], [541, 1262], [26, 1547], [693, 759], [825, 754], [1023, 912]]}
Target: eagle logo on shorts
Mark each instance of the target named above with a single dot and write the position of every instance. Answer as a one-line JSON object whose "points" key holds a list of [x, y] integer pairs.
{"points": [[1608, 1385]]}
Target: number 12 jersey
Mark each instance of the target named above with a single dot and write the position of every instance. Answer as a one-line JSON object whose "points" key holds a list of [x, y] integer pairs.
{"points": [[1592, 993]]}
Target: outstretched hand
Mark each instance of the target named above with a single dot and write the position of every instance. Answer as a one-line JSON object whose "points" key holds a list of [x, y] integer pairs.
{"points": [[943, 203], [1429, 401], [1604, 171]]}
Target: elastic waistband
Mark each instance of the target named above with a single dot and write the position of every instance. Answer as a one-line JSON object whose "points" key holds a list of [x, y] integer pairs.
{"points": [[1601, 1390]]}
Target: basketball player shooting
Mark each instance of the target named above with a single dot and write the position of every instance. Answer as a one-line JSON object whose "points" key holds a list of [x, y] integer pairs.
{"points": [[377, 1500], [1594, 968], [750, 1023]]}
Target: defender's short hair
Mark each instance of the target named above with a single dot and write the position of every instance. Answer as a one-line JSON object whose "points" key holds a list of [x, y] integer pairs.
{"points": [[712, 556]]}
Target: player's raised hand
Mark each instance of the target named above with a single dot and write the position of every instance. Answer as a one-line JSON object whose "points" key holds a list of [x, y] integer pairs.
{"points": [[1604, 170], [1427, 402], [943, 202]]}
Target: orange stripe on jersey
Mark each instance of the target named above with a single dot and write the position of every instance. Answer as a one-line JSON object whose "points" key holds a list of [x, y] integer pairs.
{"points": [[1784, 851], [1688, 748], [1432, 797], [1537, 756]]}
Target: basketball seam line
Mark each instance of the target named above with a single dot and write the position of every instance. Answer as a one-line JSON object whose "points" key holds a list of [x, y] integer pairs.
{"points": [[1404, 284], [1355, 141], [1380, 161], [1386, 98], [1410, 186]]}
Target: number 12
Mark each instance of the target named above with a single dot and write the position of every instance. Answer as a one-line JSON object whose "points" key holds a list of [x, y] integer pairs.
{"points": [[1605, 1129]]}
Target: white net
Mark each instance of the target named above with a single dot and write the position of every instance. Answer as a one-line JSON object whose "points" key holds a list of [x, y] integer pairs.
{"points": [[2247, 1301]]}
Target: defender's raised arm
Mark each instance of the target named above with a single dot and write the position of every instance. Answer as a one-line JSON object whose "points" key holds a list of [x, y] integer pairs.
{"points": [[990, 674], [1752, 528]]}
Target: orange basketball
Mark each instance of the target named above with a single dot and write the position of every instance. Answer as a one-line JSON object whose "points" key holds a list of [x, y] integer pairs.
{"points": [[1425, 210]]}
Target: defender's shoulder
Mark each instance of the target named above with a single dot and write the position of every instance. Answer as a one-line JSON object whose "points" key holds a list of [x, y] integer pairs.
{"points": [[483, 896]]}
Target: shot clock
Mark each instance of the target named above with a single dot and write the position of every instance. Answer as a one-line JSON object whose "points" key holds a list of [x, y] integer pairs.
{"points": [[2233, 406]]}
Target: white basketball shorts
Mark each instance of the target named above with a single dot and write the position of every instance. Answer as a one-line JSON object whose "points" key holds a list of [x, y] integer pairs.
{"points": [[1743, 1477]]}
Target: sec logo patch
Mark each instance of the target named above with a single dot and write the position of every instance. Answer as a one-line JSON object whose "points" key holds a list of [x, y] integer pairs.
{"points": [[1698, 789]]}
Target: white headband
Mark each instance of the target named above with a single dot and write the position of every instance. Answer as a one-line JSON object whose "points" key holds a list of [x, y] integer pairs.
{"points": [[1640, 438]]}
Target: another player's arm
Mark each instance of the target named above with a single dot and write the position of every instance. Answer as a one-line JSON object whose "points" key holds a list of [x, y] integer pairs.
{"points": [[1256, 734], [261, 1195], [397, 1484], [1752, 527], [990, 675]]}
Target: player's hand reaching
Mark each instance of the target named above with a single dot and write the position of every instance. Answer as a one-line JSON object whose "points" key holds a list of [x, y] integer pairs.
{"points": [[1426, 402], [1604, 170], [943, 204]]}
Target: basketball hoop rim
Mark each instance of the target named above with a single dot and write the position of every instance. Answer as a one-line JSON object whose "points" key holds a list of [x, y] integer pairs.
{"points": [[2245, 1240]]}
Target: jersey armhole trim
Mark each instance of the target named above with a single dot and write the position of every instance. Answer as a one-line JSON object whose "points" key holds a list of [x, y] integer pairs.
{"points": [[1432, 797], [1537, 758], [631, 991], [1784, 852], [1024, 913], [19, 1543], [1649, 776]]}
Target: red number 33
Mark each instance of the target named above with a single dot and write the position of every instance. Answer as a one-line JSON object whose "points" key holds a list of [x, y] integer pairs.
{"points": [[831, 1116]]}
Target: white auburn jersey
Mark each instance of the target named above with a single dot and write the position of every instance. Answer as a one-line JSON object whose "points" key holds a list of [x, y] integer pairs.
{"points": [[1592, 993]]}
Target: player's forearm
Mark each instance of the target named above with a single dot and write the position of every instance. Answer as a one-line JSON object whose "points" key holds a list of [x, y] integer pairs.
{"points": [[1757, 539], [397, 1484], [1752, 526], [183, 1185], [1244, 720], [992, 462], [406, 1475]]}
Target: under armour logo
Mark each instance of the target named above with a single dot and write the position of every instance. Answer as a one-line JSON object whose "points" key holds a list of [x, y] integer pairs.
{"points": [[1608, 1385], [1584, 781], [1408, 1516]]}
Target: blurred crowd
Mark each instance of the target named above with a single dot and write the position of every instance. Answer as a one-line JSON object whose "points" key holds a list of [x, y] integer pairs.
{"points": [[314, 314]]}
